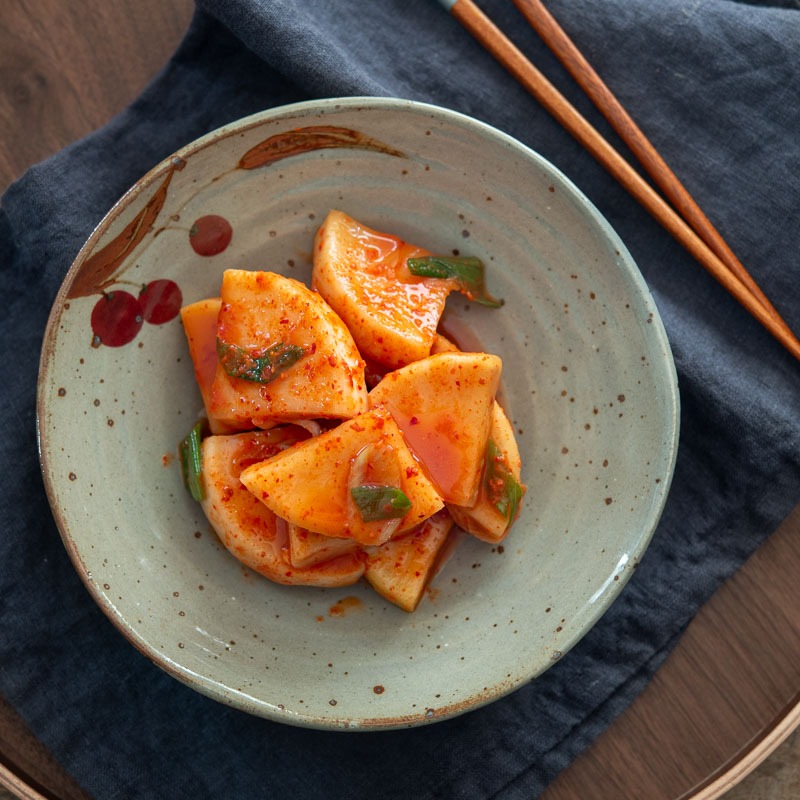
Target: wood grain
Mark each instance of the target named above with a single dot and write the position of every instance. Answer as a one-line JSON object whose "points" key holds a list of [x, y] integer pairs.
{"points": [[26, 768], [726, 697], [66, 68]]}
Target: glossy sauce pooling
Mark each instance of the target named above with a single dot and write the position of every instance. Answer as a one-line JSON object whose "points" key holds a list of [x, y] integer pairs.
{"points": [[385, 259]]}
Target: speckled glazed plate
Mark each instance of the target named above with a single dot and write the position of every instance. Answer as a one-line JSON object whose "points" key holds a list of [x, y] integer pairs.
{"points": [[588, 381]]}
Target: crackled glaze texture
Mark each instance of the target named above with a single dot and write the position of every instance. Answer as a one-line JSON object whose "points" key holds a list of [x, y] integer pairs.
{"points": [[588, 382]]}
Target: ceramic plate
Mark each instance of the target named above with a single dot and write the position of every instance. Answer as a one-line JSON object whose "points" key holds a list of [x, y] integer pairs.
{"points": [[588, 382]]}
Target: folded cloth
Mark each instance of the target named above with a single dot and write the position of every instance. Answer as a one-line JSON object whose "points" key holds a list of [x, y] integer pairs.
{"points": [[716, 85]]}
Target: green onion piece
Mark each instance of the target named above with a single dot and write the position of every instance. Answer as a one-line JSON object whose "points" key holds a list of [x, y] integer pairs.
{"points": [[258, 366], [503, 489], [376, 501], [466, 270], [192, 462]]}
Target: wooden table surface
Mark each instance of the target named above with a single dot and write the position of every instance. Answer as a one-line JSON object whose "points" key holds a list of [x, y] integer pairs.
{"points": [[724, 706]]}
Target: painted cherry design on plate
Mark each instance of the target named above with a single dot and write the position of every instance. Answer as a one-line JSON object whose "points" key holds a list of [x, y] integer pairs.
{"points": [[210, 235], [116, 319], [160, 300], [118, 316]]}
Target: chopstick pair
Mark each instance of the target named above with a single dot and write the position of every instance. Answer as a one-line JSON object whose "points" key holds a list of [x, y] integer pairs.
{"points": [[689, 225]]}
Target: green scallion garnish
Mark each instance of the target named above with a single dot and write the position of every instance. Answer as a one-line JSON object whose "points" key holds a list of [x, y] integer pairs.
{"points": [[378, 502], [503, 489], [467, 271], [258, 366], [192, 461]]}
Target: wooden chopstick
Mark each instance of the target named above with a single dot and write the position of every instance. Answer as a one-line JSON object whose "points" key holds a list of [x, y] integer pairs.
{"points": [[587, 78], [493, 40]]}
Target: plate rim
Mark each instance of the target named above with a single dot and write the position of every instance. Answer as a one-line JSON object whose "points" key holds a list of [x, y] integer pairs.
{"points": [[657, 334]]}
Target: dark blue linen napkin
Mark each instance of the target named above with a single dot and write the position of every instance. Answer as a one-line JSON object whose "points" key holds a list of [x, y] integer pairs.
{"points": [[716, 85]]}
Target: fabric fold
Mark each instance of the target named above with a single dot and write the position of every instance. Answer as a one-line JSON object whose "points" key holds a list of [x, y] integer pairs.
{"points": [[717, 86]]}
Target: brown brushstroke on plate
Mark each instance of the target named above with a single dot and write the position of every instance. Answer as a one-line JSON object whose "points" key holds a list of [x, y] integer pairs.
{"points": [[304, 140], [100, 269]]}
